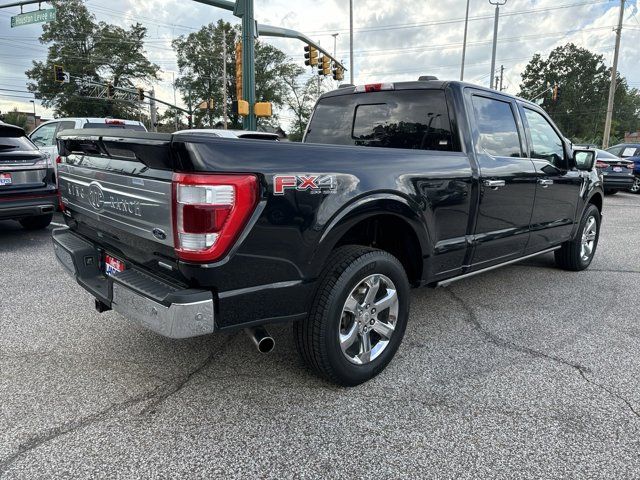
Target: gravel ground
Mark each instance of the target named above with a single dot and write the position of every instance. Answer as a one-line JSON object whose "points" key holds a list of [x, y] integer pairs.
{"points": [[525, 372]]}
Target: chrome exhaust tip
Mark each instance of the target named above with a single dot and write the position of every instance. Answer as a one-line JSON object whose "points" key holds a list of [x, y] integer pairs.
{"points": [[261, 339]]}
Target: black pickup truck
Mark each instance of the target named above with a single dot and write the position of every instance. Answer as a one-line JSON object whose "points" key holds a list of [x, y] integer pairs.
{"points": [[395, 186]]}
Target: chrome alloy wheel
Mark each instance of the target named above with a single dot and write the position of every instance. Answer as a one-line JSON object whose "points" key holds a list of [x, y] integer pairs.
{"points": [[635, 188], [588, 238], [368, 319]]}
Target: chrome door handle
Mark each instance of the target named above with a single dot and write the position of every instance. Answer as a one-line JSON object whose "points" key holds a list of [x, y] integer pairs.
{"points": [[494, 184], [545, 183]]}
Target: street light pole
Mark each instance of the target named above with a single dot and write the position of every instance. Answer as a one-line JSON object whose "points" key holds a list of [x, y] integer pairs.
{"points": [[614, 76], [498, 4], [351, 68], [35, 119], [464, 42]]}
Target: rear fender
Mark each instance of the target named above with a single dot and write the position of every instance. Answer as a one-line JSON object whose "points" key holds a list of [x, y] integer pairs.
{"points": [[360, 210]]}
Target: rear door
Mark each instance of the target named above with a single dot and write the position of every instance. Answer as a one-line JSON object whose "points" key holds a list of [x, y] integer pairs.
{"points": [[44, 138], [507, 176], [559, 184]]}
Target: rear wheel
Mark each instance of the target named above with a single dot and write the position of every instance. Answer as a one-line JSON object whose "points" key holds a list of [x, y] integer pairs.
{"points": [[358, 316], [635, 188], [37, 222], [578, 253]]}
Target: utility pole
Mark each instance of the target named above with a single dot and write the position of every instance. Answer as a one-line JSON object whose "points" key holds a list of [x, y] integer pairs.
{"points": [[464, 42], [351, 68], [614, 75], [498, 4], [153, 114], [501, 76], [190, 108], [175, 100], [224, 78]]}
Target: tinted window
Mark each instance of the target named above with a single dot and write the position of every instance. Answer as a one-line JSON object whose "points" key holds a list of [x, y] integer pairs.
{"points": [[19, 144], [627, 152], [497, 126], [601, 154], [45, 136], [66, 126], [615, 150], [546, 144], [392, 119]]}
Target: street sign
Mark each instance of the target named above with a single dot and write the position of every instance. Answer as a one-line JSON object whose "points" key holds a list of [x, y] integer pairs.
{"points": [[38, 16]]}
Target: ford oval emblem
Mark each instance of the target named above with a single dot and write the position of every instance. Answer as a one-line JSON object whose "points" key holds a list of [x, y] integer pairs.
{"points": [[159, 234]]}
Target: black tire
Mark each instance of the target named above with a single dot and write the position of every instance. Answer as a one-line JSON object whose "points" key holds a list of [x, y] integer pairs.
{"points": [[610, 192], [38, 222], [317, 337], [636, 185], [569, 256]]}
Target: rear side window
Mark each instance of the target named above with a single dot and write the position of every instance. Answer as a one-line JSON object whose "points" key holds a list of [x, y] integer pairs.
{"points": [[497, 126], [66, 125], [416, 119]]}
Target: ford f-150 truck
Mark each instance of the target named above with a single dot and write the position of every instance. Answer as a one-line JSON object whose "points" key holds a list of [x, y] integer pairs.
{"points": [[395, 186]]}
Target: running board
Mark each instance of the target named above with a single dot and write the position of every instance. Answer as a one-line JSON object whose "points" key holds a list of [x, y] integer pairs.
{"points": [[449, 281]]}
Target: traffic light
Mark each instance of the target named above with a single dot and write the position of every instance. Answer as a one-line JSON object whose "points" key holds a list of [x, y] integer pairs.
{"points": [[239, 70], [311, 56], [338, 73], [262, 109], [58, 73], [241, 108], [111, 90], [555, 96], [324, 66], [140, 94]]}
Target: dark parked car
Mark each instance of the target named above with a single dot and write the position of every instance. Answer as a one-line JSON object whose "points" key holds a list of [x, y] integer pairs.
{"points": [[629, 151], [617, 173], [27, 181], [395, 186]]}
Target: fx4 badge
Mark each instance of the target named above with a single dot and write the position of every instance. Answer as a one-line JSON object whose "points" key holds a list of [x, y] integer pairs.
{"points": [[313, 184]]}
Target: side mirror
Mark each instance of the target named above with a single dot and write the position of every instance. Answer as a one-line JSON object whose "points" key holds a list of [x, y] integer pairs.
{"points": [[584, 159]]}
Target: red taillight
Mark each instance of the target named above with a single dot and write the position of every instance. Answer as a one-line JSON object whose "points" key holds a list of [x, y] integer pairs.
{"points": [[602, 165], [58, 160], [209, 213], [114, 122]]}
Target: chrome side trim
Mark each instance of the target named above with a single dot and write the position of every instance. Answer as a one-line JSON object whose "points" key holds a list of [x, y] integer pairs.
{"points": [[179, 320], [449, 281]]}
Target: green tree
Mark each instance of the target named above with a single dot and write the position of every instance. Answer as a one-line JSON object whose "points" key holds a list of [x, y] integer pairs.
{"points": [[16, 118], [200, 60], [98, 51], [583, 79], [301, 98]]}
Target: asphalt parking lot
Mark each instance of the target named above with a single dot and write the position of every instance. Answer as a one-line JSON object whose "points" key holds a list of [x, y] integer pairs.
{"points": [[525, 372]]}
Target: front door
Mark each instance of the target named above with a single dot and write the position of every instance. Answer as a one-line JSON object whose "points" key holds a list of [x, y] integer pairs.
{"points": [[559, 183], [507, 181]]}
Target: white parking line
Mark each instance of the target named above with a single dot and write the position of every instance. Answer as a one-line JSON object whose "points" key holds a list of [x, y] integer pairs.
{"points": [[57, 224]]}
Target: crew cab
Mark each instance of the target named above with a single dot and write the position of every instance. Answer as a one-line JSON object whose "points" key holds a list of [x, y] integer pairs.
{"points": [[395, 186]]}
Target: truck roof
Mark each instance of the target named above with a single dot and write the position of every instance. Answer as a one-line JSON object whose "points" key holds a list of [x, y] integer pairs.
{"points": [[420, 85]]}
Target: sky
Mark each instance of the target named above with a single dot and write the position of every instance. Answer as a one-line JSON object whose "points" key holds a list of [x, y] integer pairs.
{"points": [[393, 40]]}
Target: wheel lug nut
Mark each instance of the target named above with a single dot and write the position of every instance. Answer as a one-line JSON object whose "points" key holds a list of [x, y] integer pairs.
{"points": [[372, 322], [373, 310]]}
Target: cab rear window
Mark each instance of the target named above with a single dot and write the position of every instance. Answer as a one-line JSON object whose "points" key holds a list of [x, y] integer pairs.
{"points": [[409, 119]]}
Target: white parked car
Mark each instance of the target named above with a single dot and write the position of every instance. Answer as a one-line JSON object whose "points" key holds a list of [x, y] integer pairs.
{"points": [[45, 135]]}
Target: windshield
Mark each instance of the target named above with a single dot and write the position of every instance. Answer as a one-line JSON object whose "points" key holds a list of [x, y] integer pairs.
{"points": [[410, 119]]}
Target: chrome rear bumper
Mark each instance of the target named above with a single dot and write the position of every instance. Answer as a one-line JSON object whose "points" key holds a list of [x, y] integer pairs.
{"points": [[136, 295]]}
